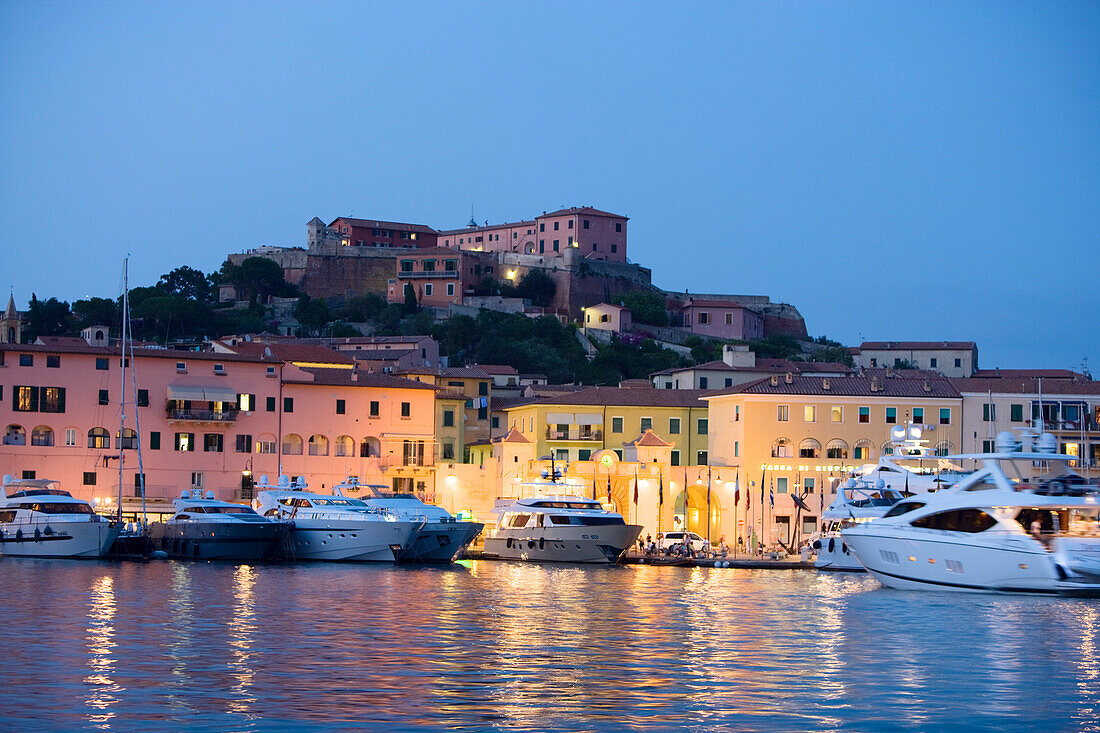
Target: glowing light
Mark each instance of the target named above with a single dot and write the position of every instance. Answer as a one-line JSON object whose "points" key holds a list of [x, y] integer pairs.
{"points": [[511, 275]]}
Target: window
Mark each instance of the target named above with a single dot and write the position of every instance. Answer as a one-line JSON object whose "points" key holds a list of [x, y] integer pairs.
{"points": [[448, 450], [483, 413], [450, 288], [496, 422], [945, 416], [429, 265], [104, 397], [483, 388], [271, 404], [246, 402], [618, 226], [99, 438], [614, 248], [244, 443], [70, 437], [292, 444], [865, 414], [555, 226], [196, 479], [89, 478], [918, 415], [836, 413], [781, 485], [701, 459], [933, 362], [987, 446], [556, 245], [212, 443], [24, 399], [703, 425], [703, 317], [674, 458], [448, 418], [958, 363], [809, 413], [1016, 413], [42, 436], [616, 424], [646, 424], [143, 398], [154, 440], [729, 319], [53, 361], [736, 448], [288, 404], [265, 446], [783, 413], [374, 408], [737, 413], [406, 409], [30, 474], [959, 520], [729, 382], [406, 265], [891, 415], [702, 382], [808, 485], [185, 442], [102, 363], [318, 445], [674, 426], [428, 289], [341, 407], [26, 360]]}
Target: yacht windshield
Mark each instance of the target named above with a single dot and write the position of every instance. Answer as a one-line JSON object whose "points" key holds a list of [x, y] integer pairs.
{"points": [[584, 521], [903, 507], [229, 510], [58, 507], [338, 502]]}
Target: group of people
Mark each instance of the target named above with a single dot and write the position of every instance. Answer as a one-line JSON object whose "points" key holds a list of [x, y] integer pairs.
{"points": [[682, 549]]}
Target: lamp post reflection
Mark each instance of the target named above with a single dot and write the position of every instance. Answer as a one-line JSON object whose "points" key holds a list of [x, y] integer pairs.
{"points": [[102, 689]]}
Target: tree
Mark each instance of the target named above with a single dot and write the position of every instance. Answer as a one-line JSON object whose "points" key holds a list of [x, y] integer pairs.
{"points": [[312, 313], [834, 354], [187, 282], [776, 346], [260, 277], [411, 306], [362, 308], [96, 312], [48, 318], [703, 350], [537, 287], [645, 307]]}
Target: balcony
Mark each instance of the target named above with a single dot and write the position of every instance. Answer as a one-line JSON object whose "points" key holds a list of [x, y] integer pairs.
{"points": [[577, 433], [433, 273], [181, 415]]}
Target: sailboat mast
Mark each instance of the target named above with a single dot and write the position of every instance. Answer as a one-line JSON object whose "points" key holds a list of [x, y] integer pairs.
{"points": [[122, 399], [130, 364]]}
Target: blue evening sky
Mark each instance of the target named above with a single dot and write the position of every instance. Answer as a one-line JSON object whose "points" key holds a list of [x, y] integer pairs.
{"points": [[895, 170]]}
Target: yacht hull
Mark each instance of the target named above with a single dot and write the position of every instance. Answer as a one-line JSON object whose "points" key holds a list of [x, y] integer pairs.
{"points": [[441, 541], [219, 540], [1013, 565], [349, 541], [603, 544], [833, 553], [57, 539]]}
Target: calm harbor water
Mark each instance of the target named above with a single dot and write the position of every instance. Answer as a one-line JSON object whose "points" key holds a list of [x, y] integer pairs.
{"points": [[488, 646]]}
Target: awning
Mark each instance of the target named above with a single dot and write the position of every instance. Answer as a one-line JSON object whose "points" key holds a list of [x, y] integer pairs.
{"points": [[589, 418], [560, 418], [200, 393]]}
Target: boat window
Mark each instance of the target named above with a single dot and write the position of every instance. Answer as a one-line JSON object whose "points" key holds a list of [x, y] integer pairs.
{"points": [[982, 486], [195, 510], [59, 508], [338, 502], [7, 515], [229, 510], [582, 521], [519, 520], [903, 508], [559, 519], [958, 520]]}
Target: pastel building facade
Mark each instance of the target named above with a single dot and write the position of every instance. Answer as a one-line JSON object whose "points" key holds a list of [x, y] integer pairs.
{"points": [[352, 232], [607, 317], [722, 319], [949, 358], [588, 232], [205, 420]]}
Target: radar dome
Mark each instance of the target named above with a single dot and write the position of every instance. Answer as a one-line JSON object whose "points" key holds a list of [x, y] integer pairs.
{"points": [[210, 494], [1007, 442], [1047, 443], [897, 433], [880, 484], [284, 480]]}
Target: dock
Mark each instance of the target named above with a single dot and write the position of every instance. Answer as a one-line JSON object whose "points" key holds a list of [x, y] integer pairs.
{"points": [[751, 563]]}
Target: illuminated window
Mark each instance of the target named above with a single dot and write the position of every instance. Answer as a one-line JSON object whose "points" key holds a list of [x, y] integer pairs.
{"points": [[837, 413], [809, 413]]}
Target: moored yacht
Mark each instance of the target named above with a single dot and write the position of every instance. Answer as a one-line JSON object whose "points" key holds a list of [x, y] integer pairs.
{"points": [[334, 526], [40, 519], [442, 537], [990, 532], [559, 528], [205, 528], [857, 500]]}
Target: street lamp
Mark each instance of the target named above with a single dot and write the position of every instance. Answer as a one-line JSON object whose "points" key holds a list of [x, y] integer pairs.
{"points": [[717, 480]]}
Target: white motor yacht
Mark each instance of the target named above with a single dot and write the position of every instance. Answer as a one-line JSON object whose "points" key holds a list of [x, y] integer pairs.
{"points": [[334, 526], [442, 537], [205, 528], [857, 500], [559, 529], [990, 532], [40, 519]]}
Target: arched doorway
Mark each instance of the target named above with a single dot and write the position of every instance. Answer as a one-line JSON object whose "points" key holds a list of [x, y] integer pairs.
{"points": [[690, 512]]}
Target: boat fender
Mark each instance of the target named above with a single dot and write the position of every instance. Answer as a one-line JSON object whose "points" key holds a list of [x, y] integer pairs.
{"points": [[542, 542], [844, 547], [49, 530], [816, 545], [37, 534], [530, 544], [832, 544], [18, 534], [508, 543]]}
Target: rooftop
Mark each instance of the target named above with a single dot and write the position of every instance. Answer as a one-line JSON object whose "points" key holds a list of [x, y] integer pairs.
{"points": [[619, 397], [854, 386], [916, 345], [1026, 386], [372, 224]]}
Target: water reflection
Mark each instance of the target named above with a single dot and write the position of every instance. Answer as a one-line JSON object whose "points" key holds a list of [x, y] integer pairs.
{"points": [[496, 646], [101, 689]]}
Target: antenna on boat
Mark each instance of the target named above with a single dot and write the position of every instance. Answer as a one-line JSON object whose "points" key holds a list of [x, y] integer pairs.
{"points": [[128, 364], [122, 400]]}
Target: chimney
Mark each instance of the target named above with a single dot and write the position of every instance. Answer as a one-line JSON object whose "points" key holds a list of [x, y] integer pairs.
{"points": [[876, 384], [825, 383], [927, 386], [775, 380], [788, 378]]}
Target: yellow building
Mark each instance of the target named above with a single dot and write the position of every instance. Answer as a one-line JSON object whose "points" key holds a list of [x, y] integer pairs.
{"points": [[475, 385], [574, 426], [802, 434], [450, 406]]}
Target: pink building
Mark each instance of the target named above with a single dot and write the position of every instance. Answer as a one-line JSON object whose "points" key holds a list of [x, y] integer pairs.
{"points": [[591, 233], [369, 233], [438, 276], [607, 317], [206, 420], [722, 319]]}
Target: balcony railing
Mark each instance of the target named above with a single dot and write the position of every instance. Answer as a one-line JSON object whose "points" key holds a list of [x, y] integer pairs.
{"points": [[574, 433], [432, 273], [202, 415]]}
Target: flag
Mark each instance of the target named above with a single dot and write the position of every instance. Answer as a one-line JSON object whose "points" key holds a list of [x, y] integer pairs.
{"points": [[763, 473], [737, 489], [593, 488], [771, 494], [635, 487], [660, 489], [906, 483], [608, 488]]}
